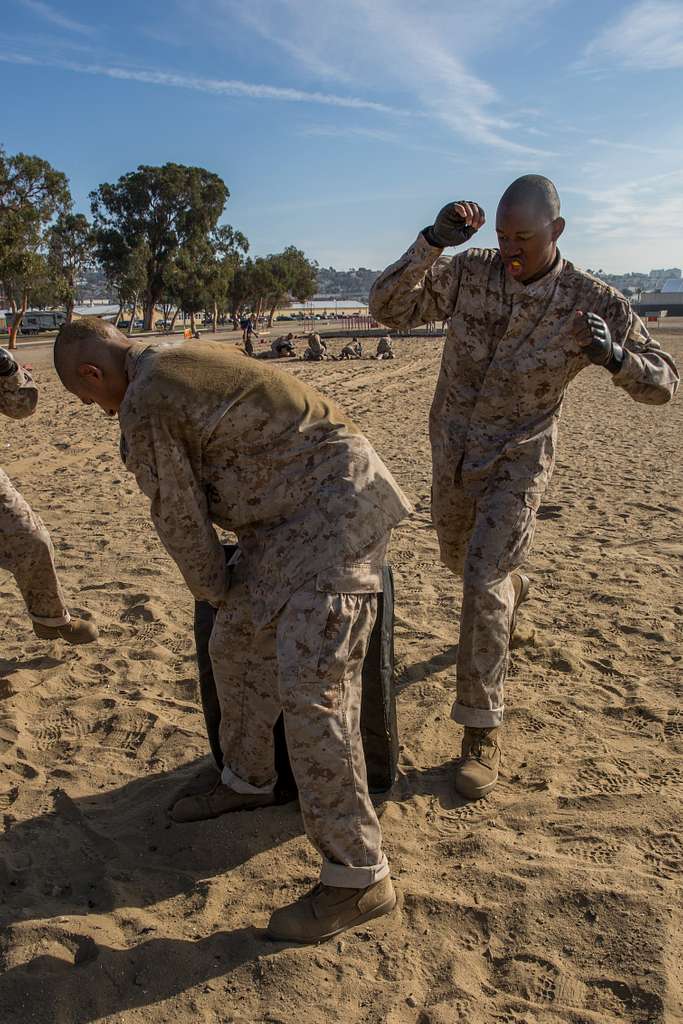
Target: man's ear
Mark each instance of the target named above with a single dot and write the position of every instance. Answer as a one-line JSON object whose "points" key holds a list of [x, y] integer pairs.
{"points": [[558, 227], [89, 372]]}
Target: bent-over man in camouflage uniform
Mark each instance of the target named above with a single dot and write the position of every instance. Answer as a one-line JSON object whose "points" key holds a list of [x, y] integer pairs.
{"points": [[317, 348], [523, 322], [354, 350], [385, 348], [215, 439], [25, 546]]}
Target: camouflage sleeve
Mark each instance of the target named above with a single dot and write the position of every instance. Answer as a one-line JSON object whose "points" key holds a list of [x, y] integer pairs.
{"points": [[18, 394], [179, 506], [420, 287], [647, 374]]}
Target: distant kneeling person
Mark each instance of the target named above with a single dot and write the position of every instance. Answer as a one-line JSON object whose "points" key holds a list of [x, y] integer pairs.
{"points": [[214, 438], [385, 348]]}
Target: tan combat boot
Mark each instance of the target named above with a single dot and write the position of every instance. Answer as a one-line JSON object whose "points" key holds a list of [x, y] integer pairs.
{"points": [[476, 773], [203, 780], [76, 631], [219, 800], [328, 909]]}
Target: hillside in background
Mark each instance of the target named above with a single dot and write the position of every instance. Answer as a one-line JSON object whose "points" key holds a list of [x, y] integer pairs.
{"points": [[345, 284]]}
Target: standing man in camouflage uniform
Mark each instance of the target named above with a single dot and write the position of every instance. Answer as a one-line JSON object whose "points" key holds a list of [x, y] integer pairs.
{"points": [[215, 439], [25, 546], [523, 322]]}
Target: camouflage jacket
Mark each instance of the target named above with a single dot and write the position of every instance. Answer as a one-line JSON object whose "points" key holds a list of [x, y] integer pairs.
{"points": [[508, 358], [18, 394], [215, 438]]}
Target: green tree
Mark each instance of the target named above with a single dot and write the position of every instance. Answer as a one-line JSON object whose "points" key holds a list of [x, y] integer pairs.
{"points": [[165, 208], [71, 251], [200, 276], [229, 248], [277, 279], [32, 192], [125, 269]]}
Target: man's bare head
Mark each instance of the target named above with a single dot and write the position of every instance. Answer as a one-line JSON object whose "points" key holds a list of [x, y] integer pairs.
{"points": [[90, 358], [528, 224]]}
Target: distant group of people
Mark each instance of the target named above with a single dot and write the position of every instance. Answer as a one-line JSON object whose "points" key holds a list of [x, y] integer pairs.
{"points": [[317, 349], [215, 440]]}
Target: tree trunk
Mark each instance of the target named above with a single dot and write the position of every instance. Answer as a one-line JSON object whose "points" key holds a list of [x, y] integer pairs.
{"points": [[215, 317], [132, 315], [192, 326], [118, 315], [148, 315], [16, 320], [271, 315], [173, 320], [70, 310]]}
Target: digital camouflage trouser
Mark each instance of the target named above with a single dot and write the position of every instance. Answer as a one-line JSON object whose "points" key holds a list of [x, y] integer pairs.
{"points": [[307, 663], [26, 551], [483, 540]]}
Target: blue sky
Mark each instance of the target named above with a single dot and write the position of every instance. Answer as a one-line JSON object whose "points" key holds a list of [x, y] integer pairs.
{"points": [[342, 127]]}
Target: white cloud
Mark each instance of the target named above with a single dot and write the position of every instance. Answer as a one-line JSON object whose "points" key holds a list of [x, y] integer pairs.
{"points": [[649, 36], [48, 13], [634, 211], [215, 86], [415, 46]]}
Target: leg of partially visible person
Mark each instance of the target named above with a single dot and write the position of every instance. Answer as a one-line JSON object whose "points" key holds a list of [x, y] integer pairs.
{"points": [[500, 542], [26, 551], [245, 671], [322, 641]]}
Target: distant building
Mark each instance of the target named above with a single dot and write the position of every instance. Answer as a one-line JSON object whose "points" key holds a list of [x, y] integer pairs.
{"points": [[670, 298]]}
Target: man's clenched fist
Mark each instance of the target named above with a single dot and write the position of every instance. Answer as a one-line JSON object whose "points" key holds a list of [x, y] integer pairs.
{"points": [[7, 364], [593, 336], [455, 224]]}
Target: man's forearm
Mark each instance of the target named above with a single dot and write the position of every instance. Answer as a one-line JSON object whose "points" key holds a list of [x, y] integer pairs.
{"points": [[649, 376], [404, 295], [198, 554]]}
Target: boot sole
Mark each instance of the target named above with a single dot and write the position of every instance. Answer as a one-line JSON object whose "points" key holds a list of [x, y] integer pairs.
{"points": [[380, 911]]}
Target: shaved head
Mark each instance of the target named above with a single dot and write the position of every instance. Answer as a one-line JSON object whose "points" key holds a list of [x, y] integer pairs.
{"points": [[86, 340], [528, 225], [90, 358], [534, 192]]}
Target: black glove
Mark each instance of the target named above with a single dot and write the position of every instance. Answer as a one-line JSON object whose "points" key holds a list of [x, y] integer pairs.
{"points": [[449, 228], [7, 364], [601, 350]]}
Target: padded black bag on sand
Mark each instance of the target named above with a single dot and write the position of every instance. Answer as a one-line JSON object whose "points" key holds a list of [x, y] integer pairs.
{"points": [[378, 709]]}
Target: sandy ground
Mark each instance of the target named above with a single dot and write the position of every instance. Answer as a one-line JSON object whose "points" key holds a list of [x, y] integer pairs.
{"points": [[554, 900]]}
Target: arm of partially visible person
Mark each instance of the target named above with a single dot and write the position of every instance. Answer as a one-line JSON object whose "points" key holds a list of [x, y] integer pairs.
{"points": [[18, 393], [179, 507], [622, 344]]}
